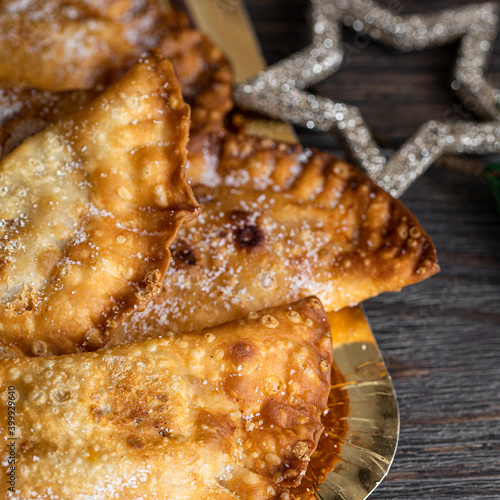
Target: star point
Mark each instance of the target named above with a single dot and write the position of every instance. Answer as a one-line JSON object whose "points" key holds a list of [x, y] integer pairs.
{"points": [[279, 91]]}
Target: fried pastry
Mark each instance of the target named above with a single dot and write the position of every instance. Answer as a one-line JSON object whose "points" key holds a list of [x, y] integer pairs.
{"points": [[89, 207], [225, 413], [278, 229], [75, 44], [206, 83]]}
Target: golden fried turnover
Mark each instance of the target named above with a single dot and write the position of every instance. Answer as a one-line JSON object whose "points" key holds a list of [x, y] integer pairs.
{"points": [[281, 224], [206, 82], [75, 44], [229, 412], [88, 209]]}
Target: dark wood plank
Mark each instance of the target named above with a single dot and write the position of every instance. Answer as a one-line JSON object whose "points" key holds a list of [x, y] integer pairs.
{"points": [[441, 338], [442, 345]]}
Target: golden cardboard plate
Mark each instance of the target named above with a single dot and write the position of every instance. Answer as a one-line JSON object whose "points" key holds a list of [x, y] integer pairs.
{"points": [[361, 433]]}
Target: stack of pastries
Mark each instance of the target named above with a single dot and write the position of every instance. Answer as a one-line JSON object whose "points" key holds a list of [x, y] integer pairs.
{"points": [[164, 280]]}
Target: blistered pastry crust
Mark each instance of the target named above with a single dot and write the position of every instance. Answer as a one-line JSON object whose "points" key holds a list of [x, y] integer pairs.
{"points": [[88, 209], [228, 412], [206, 83], [280, 223], [75, 44]]}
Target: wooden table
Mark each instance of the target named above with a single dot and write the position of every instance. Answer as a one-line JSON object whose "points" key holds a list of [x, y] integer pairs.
{"points": [[441, 338]]}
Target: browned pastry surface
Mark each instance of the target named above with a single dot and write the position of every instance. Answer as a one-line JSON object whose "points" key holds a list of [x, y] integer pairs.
{"points": [[89, 207], [204, 74], [283, 223], [206, 83], [229, 412], [75, 44]]}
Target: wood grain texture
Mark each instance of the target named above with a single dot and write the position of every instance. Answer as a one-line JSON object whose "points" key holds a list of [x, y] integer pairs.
{"points": [[441, 338]]}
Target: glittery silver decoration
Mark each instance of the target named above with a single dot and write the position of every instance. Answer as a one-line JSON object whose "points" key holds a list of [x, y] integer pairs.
{"points": [[278, 92]]}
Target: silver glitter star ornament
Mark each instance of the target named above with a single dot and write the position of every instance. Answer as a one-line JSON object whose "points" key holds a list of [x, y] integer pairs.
{"points": [[278, 92]]}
